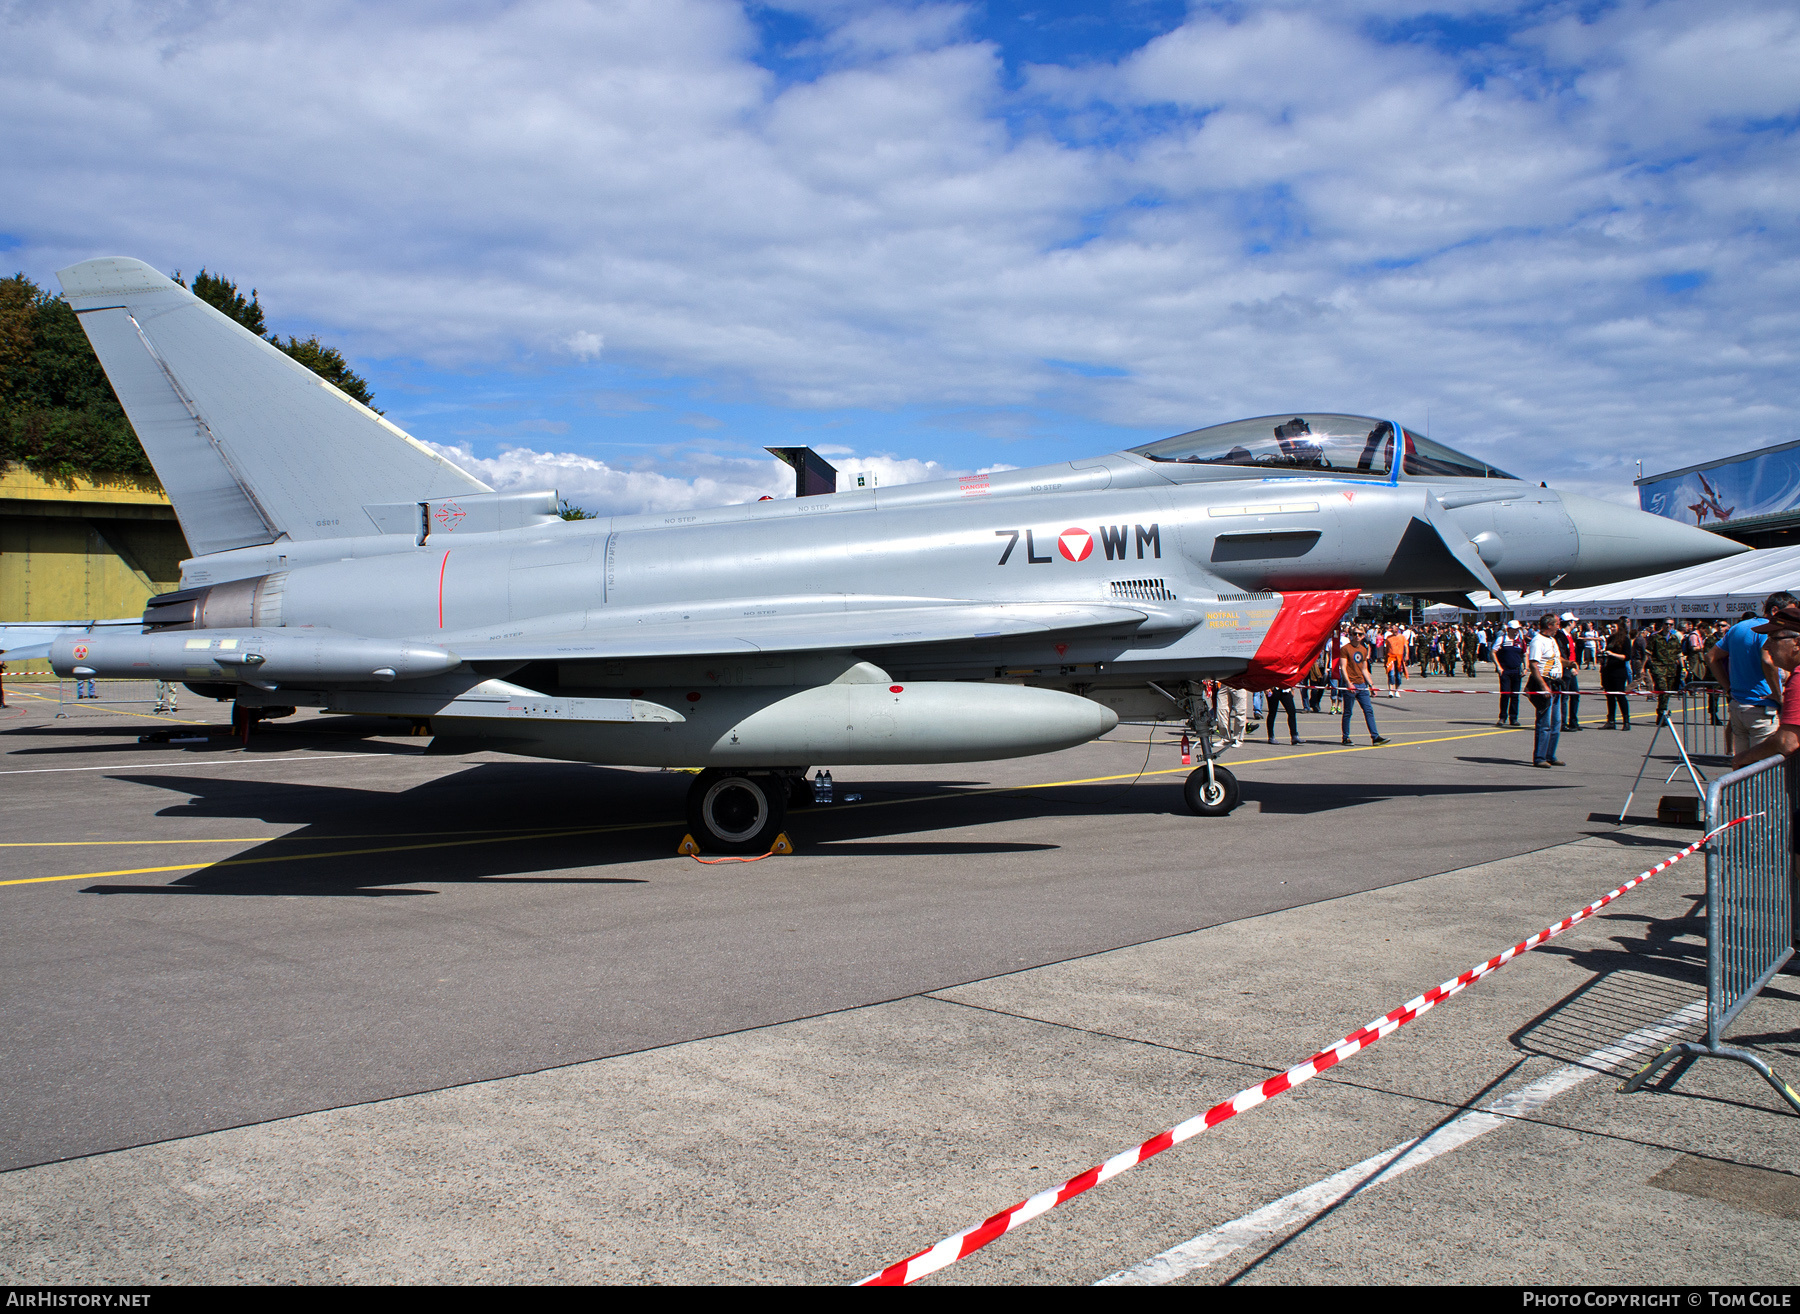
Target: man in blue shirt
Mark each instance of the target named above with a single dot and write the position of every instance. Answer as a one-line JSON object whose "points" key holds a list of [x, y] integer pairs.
{"points": [[1741, 662]]}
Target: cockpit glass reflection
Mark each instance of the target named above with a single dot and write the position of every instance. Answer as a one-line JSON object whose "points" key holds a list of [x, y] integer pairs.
{"points": [[1434, 460], [1337, 444]]}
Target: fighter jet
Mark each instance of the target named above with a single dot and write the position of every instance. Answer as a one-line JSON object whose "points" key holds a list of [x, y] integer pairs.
{"points": [[340, 564]]}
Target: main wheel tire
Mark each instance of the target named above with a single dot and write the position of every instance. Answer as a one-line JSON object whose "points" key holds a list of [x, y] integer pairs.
{"points": [[1211, 799], [733, 813]]}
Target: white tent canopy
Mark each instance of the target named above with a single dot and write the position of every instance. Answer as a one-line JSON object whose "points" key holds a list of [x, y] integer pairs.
{"points": [[1730, 588]]}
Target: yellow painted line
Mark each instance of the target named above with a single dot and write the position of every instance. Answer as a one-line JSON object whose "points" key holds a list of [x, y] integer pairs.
{"points": [[673, 823], [148, 716], [1174, 771], [346, 853], [236, 758], [152, 716], [1398, 743], [89, 844], [523, 832]]}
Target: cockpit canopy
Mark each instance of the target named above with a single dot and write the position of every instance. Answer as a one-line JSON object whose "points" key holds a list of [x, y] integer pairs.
{"points": [[1338, 444]]}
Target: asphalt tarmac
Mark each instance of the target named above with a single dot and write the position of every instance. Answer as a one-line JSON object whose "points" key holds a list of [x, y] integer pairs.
{"points": [[382, 925]]}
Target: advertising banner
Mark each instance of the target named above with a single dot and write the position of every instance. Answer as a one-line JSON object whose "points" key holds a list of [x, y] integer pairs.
{"points": [[1760, 484]]}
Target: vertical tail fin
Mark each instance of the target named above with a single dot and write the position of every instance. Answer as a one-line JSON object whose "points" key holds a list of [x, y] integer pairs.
{"points": [[251, 445]]}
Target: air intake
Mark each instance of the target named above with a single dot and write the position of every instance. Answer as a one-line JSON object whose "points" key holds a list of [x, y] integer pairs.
{"points": [[1142, 590]]}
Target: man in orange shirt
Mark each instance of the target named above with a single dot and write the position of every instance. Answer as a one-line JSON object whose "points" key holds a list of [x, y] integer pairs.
{"points": [[1396, 660]]}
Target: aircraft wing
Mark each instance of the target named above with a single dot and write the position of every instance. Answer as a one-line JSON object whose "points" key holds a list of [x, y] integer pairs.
{"points": [[805, 632], [25, 641]]}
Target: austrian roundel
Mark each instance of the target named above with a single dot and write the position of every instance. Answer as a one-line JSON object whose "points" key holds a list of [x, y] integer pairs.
{"points": [[1075, 544]]}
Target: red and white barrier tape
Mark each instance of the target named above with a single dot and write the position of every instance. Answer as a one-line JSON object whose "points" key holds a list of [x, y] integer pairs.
{"points": [[1526, 693], [969, 1240], [1493, 692]]}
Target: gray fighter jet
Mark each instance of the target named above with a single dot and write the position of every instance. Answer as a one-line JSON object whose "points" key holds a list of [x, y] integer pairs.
{"points": [[341, 564]]}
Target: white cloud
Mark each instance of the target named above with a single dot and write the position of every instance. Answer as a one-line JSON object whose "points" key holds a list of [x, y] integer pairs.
{"points": [[584, 345], [1267, 207], [697, 480], [606, 489], [889, 471]]}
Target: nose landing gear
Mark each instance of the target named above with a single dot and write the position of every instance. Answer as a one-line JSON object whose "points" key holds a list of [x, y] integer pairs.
{"points": [[1211, 791]]}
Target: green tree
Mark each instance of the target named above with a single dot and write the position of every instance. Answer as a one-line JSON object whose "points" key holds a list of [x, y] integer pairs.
{"points": [[569, 511], [58, 414], [222, 295], [329, 364]]}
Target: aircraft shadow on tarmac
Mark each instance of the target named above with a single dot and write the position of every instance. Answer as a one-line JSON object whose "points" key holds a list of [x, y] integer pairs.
{"points": [[1322, 796], [108, 738], [535, 823], [119, 735]]}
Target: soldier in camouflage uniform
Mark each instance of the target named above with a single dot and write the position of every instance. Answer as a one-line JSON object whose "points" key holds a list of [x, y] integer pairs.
{"points": [[1469, 646], [1663, 650]]}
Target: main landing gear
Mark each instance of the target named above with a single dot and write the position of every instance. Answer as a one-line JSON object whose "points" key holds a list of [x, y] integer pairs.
{"points": [[1211, 791], [737, 811]]}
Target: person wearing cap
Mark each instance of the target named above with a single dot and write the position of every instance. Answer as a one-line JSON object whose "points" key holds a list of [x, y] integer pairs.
{"points": [[1662, 654], [1571, 683], [1509, 661], [1742, 662]]}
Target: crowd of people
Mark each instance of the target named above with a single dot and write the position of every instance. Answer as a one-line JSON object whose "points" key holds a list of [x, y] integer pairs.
{"points": [[1540, 664]]}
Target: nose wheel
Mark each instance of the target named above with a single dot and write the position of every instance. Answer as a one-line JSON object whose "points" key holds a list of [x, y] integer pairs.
{"points": [[1214, 797], [729, 812]]}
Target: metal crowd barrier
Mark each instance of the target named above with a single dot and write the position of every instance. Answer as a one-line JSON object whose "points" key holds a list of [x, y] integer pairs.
{"points": [[1705, 709], [1749, 913], [88, 697], [1690, 721]]}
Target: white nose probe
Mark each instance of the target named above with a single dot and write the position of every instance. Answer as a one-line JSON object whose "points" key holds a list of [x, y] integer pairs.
{"points": [[265, 658]]}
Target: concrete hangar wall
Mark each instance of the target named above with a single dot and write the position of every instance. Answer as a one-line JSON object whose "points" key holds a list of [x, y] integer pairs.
{"points": [[83, 548]]}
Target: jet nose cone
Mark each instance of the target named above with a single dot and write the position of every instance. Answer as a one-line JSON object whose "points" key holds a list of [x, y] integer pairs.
{"points": [[1618, 542]]}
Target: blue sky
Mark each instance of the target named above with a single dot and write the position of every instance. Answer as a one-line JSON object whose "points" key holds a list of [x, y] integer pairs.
{"points": [[620, 247]]}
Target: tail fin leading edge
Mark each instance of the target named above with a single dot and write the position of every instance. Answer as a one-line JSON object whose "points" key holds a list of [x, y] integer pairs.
{"points": [[250, 444]]}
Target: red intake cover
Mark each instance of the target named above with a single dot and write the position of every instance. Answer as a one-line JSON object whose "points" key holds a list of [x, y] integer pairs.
{"points": [[1300, 628]]}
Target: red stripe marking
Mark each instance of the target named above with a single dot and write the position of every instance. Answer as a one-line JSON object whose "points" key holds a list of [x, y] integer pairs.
{"points": [[445, 565]]}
